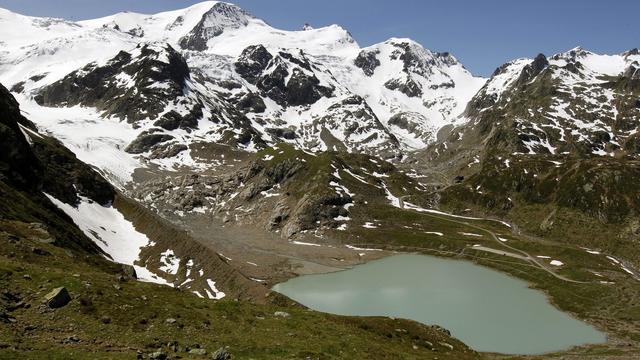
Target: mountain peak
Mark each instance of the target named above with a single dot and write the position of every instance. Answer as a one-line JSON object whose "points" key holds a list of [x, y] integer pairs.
{"points": [[221, 16]]}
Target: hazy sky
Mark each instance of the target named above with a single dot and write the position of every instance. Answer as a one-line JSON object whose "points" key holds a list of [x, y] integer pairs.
{"points": [[482, 34]]}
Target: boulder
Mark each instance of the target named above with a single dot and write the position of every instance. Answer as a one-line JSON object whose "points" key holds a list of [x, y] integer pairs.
{"points": [[158, 355], [57, 298], [198, 352], [129, 271], [221, 354], [281, 314]]}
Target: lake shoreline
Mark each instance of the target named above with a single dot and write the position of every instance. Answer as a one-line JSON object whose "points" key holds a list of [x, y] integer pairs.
{"points": [[523, 283]]}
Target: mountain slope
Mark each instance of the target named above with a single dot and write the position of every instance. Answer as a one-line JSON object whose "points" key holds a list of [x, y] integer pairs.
{"points": [[50, 178], [551, 144]]}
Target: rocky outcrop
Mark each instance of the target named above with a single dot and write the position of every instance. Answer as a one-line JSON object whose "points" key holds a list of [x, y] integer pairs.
{"points": [[18, 165], [314, 210], [288, 79], [405, 85], [147, 141], [304, 89], [252, 62], [367, 61], [173, 120], [413, 123], [32, 164], [57, 298], [532, 70]]}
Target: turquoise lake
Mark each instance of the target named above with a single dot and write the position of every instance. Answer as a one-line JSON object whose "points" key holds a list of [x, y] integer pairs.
{"points": [[486, 309]]}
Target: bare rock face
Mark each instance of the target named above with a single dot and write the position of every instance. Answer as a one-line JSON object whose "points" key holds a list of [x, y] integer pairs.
{"points": [[367, 61], [269, 73], [406, 86], [532, 70], [303, 89], [147, 141], [57, 298], [16, 158], [253, 60]]}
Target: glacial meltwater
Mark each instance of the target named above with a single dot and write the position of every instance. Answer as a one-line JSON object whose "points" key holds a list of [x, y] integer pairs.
{"points": [[486, 309]]}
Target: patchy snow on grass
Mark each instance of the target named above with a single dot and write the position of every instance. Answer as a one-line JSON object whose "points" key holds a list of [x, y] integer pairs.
{"points": [[470, 234], [351, 247], [356, 176], [379, 175], [613, 259], [369, 225], [556, 263], [170, 262], [114, 234], [434, 233], [395, 201], [189, 265], [217, 294]]}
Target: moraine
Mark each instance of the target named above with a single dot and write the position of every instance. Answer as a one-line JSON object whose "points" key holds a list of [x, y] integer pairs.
{"points": [[487, 310]]}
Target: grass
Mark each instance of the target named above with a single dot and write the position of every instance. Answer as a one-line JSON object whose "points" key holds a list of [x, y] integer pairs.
{"points": [[114, 319]]}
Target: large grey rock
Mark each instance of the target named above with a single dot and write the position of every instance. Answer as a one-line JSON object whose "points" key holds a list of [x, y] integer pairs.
{"points": [[281, 314], [158, 355], [129, 271], [198, 351], [57, 298], [221, 354]]}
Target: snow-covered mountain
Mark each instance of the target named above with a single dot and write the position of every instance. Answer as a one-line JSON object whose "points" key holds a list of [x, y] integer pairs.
{"points": [[215, 73], [574, 103]]}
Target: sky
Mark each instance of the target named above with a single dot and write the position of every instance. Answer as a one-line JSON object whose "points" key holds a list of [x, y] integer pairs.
{"points": [[481, 34]]}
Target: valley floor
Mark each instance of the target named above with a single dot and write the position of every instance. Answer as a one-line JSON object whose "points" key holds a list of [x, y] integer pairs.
{"points": [[583, 282]]}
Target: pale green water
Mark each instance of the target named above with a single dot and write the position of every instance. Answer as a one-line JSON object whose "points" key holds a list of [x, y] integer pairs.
{"points": [[487, 310]]}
